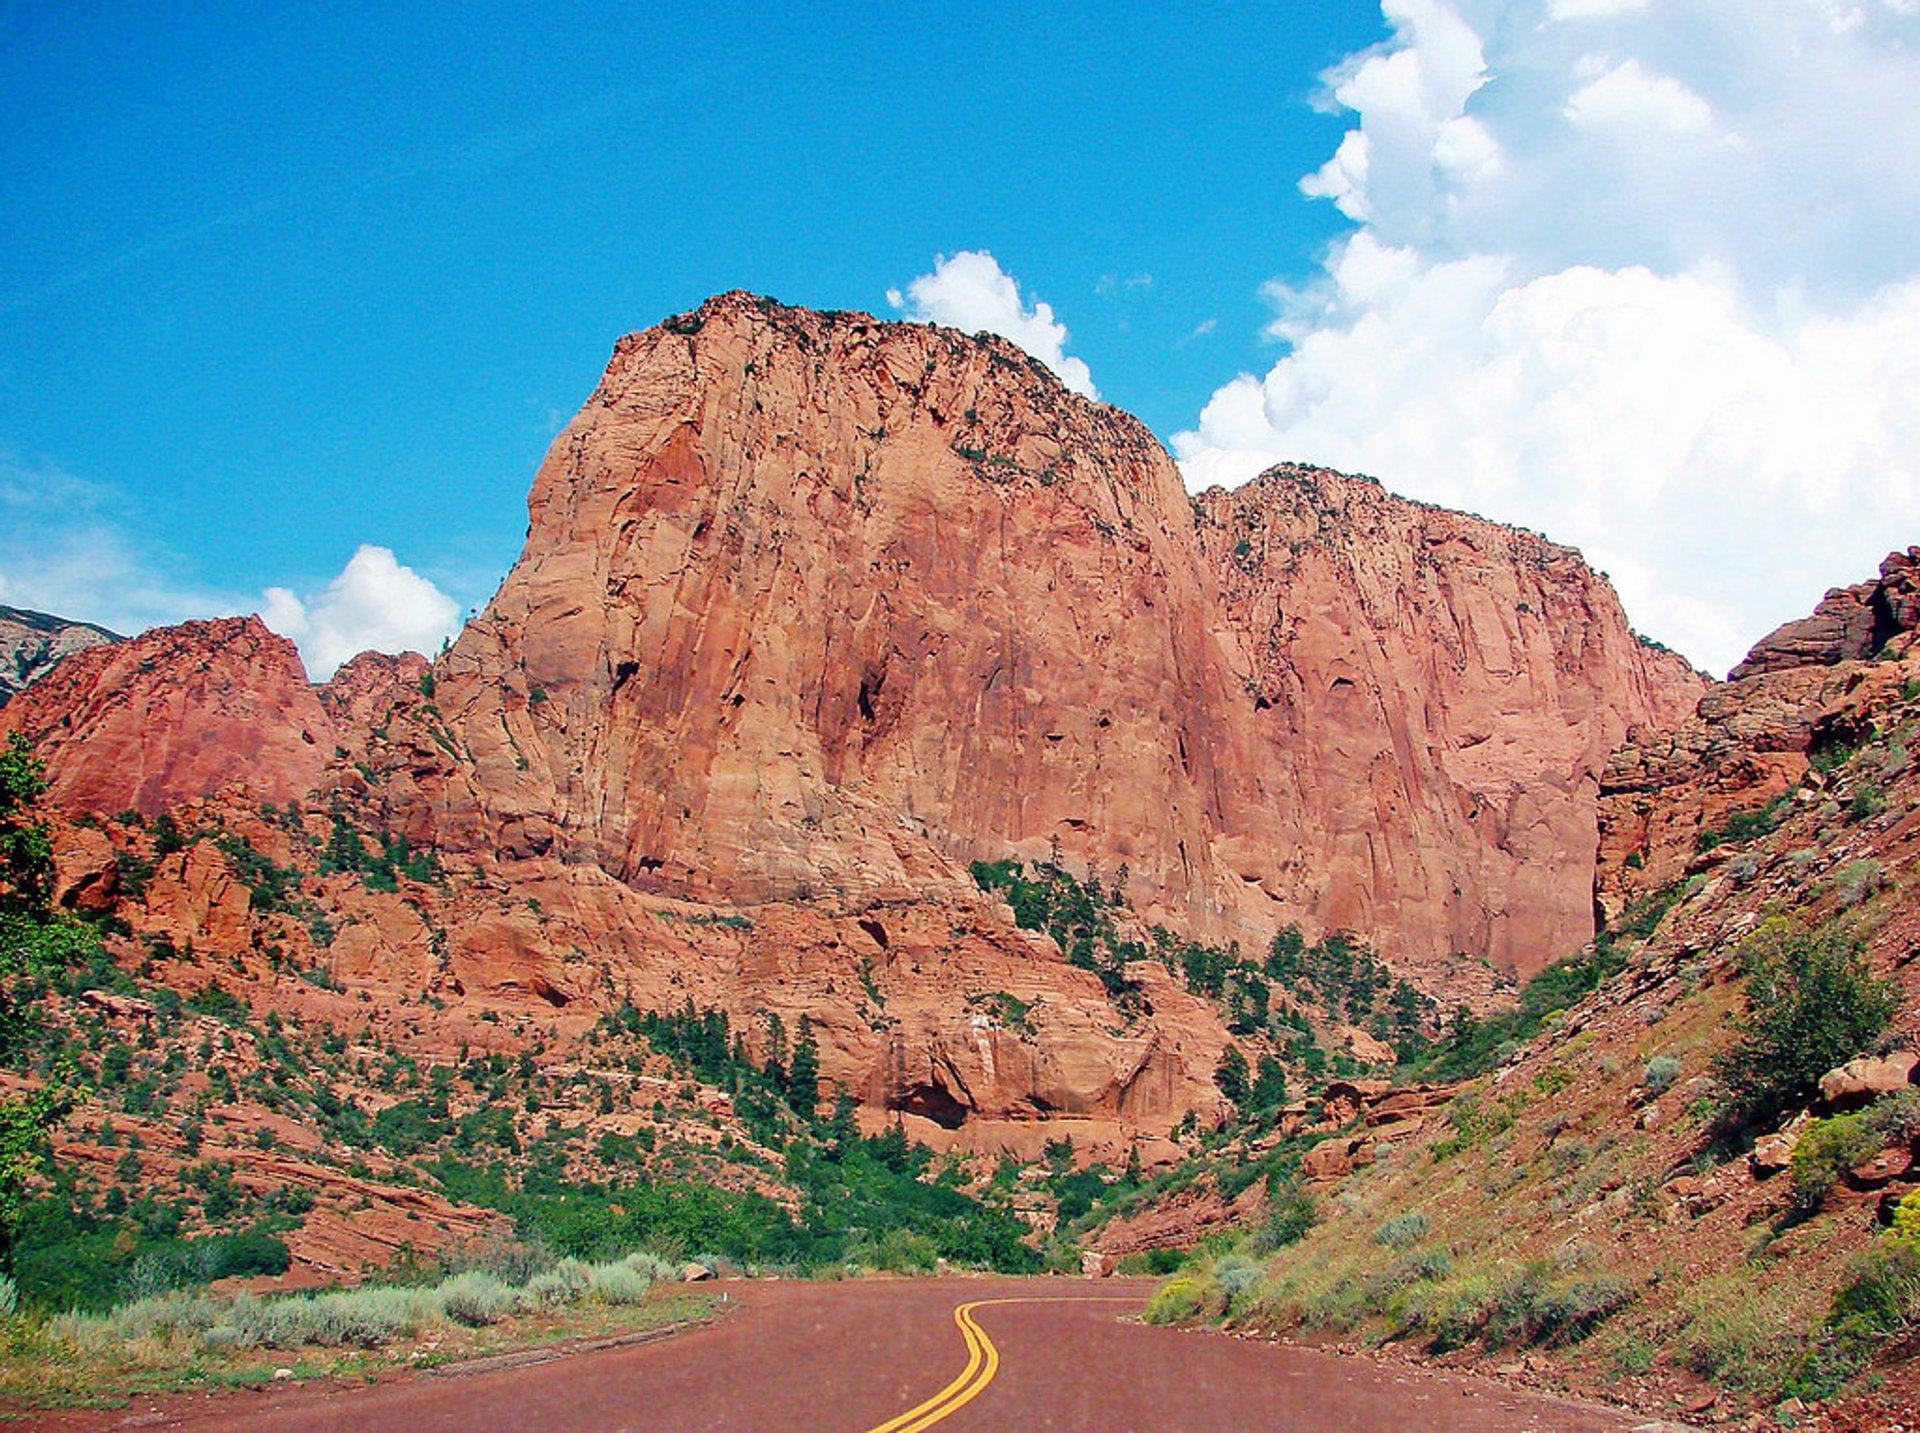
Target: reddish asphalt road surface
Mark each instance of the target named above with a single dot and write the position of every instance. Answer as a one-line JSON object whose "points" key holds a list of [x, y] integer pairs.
{"points": [[866, 1355]]}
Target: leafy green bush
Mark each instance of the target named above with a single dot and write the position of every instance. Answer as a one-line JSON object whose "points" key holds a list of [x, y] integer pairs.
{"points": [[903, 1251], [1828, 1148], [1881, 1300], [1185, 1298], [1235, 1273], [562, 1284], [1866, 801], [1858, 880], [1528, 1305], [1748, 825], [1825, 1150], [1661, 1072], [1812, 1004]]}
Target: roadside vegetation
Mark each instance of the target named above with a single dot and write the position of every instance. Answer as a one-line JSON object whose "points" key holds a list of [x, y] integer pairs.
{"points": [[506, 1298], [1644, 1182]]}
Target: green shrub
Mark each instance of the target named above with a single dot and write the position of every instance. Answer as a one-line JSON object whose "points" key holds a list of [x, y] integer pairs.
{"points": [[1423, 1264], [1235, 1273], [904, 1251], [1858, 880], [1747, 825], [1661, 1072], [346, 1318], [562, 1284], [618, 1283], [1906, 1221], [478, 1299], [1185, 1298], [1828, 1148], [1403, 1230], [1812, 1004], [1882, 1296], [1866, 801], [1291, 1212]]}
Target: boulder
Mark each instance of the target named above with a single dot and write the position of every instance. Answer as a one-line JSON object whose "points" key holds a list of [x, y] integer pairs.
{"points": [[1336, 1158], [1860, 1082], [1881, 1170], [1771, 1155]]}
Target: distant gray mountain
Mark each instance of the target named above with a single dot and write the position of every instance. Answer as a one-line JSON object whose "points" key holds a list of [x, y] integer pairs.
{"points": [[31, 642]]}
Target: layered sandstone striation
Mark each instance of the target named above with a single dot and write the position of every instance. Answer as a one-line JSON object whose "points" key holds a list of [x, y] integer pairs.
{"points": [[812, 606], [1434, 697]]}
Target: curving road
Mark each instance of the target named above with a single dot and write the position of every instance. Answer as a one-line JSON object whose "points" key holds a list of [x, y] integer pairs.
{"points": [[901, 1356]]}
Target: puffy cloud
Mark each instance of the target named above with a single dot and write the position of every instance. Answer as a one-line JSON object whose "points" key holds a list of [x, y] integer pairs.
{"points": [[971, 291], [1627, 280], [1626, 96], [65, 549], [375, 604]]}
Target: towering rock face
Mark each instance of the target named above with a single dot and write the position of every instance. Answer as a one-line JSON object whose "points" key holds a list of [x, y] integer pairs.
{"points": [[174, 714], [1435, 695], [812, 606], [31, 642], [809, 599], [817, 608]]}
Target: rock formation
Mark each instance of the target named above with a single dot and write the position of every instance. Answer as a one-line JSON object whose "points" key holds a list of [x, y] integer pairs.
{"points": [[813, 610], [1668, 797], [31, 642], [809, 602], [177, 713]]}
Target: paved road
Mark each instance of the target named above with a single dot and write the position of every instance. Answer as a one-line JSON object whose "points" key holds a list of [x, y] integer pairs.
{"points": [[893, 1356]]}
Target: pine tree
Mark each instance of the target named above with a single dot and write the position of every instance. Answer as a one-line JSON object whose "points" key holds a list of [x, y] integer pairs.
{"points": [[1231, 1075], [803, 1075]]}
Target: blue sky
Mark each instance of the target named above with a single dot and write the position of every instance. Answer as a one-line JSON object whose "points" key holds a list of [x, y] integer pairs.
{"points": [[279, 283]]}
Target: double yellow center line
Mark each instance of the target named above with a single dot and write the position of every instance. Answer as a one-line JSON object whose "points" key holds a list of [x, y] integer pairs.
{"points": [[983, 1361]]}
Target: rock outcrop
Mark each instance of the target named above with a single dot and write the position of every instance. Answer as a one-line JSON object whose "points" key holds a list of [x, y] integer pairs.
{"points": [[32, 642], [1740, 762], [813, 611], [1850, 624], [1437, 695], [174, 714], [812, 605]]}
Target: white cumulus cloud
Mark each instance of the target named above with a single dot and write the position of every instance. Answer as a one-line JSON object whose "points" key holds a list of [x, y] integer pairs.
{"points": [[66, 547], [375, 604], [1628, 96], [1633, 281], [971, 291]]}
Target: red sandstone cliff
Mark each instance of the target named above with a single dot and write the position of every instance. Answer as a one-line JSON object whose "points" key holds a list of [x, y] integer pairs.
{"points": [[1434, 697], [813, 609], [176, 713], [810, 601]]}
